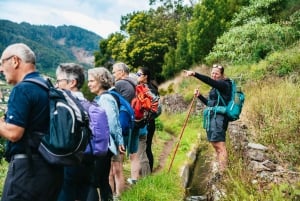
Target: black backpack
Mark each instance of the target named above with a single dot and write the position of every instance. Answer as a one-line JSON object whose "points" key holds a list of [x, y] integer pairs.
{"points": [[69, 131]]}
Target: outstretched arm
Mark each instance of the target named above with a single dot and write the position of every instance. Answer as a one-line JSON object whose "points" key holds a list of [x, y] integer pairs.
{"points": [[218, 84]]}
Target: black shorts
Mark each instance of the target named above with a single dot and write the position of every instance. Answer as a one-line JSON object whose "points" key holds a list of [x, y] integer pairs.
{"points": [[217, 128], [37, 181]]}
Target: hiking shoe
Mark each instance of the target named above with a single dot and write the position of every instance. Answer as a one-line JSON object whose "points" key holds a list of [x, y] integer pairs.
{"points": [[131, 181]]}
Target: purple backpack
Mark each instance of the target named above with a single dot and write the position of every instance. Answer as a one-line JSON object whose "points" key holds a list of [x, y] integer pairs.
{"points": [[98, 123]]}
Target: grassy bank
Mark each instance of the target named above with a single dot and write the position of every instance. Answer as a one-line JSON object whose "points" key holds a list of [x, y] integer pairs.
{"points": [[272, 114]]}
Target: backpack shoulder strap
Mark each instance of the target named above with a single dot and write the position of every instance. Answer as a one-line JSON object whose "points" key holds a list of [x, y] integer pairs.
{"points": [[115, 96], [46, 85], [219, 94], [220, 98]]}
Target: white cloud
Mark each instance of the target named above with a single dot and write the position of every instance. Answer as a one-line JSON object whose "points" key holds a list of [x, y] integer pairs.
{"points": [[100, 16]]}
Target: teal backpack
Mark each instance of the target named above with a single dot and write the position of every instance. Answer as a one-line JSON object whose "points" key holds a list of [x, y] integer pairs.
{"points": [[235, 105]]}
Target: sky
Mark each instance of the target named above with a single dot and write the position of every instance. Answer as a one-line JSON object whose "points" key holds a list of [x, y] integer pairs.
{"points": [[99, 16]]}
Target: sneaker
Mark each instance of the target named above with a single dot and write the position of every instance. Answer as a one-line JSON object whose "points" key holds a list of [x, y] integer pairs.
{"points": [[131, 181]]}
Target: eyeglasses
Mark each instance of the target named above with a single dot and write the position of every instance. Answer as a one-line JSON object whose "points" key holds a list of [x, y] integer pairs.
{"points": [[58, 81], [6, 59], [139, 74], [113, 72], [218, 66]]}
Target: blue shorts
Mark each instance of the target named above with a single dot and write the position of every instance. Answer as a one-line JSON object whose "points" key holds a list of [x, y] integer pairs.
{"points": [[217, 128], [131, 142]]}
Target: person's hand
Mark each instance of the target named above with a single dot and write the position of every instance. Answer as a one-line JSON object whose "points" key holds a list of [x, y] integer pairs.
{"points": [[189, 72], [197, 92], [122, 149]]}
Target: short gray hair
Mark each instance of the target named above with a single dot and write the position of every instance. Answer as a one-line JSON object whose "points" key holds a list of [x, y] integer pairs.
{"points": [[103, 76], [122, 66], [72, 71], [22, 51]]}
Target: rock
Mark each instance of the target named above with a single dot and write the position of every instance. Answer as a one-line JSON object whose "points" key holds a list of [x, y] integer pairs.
{"points": [[270, 165], [257, 146], [256, 155], [174, 103], [266, 176], [197, 198], [257, 166], [185, 171], [192, 155], [254, 181]]}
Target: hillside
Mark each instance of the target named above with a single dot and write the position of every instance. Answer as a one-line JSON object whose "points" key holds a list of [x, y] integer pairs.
{"points": [[52, 45]]}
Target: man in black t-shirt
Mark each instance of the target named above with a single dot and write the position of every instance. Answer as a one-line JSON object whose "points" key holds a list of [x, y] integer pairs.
{"points": [[29, 176]]}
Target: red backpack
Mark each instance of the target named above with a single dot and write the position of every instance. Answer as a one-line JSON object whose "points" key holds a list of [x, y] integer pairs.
{"points": [[144, 103]]}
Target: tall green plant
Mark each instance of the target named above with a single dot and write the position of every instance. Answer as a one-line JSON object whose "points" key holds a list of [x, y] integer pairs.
{"points": [[209, 21], [252, 43]]}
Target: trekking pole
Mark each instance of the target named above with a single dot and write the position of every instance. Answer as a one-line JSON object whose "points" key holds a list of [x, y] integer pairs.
{"points": [[182, 130]]}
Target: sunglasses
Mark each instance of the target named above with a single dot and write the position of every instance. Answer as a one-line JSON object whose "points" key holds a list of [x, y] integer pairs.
{"points": [[218, 66], [139, 74]]}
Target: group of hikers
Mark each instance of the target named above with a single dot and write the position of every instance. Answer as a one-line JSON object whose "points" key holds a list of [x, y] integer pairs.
{"points": [[98, 177]]}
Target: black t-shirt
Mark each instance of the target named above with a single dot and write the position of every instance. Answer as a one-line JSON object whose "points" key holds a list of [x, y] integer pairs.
{"points": [[223, 86], [28, 107]]}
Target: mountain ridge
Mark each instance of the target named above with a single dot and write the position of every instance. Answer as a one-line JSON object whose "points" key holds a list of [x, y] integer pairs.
{"points": [[52, 44]]}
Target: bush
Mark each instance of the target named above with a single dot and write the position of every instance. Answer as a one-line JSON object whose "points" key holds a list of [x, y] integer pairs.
{"points": [[252, 43]]}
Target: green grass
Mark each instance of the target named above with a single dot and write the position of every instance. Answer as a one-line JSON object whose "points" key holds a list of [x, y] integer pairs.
{"points": [[160, 187], [3, 170], [273, 112]]}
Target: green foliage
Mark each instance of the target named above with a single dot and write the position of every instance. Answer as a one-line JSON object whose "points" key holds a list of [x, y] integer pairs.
{"points": [[150, 35], [285, 62], [170, 88], [2, 148], [266, 9], [210, 20], [278, 118], [52, 45], [182, 55], [295, 21], [252, 43], [86, 92], [159, 126], [169, 68], [162, 92], [116, 43], [3, 171]]}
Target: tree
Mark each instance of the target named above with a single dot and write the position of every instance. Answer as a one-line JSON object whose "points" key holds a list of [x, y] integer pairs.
{"points": [[116, 45], [209, 21], [255, 34], [146, 37], [150, 35], [169, 66], [183, 58], [103, 56]]}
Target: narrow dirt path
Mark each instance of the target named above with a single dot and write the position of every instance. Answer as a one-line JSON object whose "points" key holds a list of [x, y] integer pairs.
{"points": [[168, 146]]}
